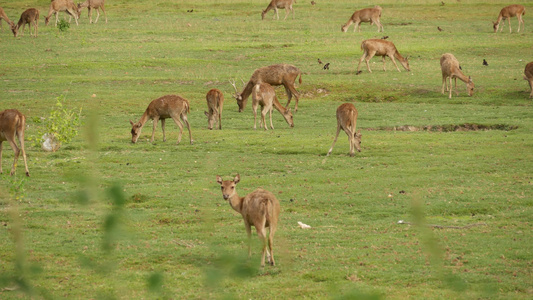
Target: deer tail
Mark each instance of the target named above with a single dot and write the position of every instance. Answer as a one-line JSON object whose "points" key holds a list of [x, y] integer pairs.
{"points": [[300, 80]]}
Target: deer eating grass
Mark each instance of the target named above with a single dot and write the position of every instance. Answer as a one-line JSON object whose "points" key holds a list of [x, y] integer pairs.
{"points": [[67, 6], [12, 125], [275, 4], [264, 95], [29, 16], [450, 69], [215, 103], [508, 12], [371, 15], [381, 48], [5, 18], [169, 106], [93, 4], [281, 74], [347, 121], [259, 209], [528, 75]]}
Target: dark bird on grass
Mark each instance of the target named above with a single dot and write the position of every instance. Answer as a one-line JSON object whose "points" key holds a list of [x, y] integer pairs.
{"points": [[190, 10], [384, 37], [326, 66], [442, 3], [440, 29], [313, 2], [319, 61], [358, 72], [485, 63]]}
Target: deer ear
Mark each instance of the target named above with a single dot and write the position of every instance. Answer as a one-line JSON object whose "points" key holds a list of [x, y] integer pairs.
{"points": [[219, 179], [237, 178], [131, 122]]}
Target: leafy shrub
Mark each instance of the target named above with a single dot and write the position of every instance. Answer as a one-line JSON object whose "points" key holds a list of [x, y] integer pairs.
{"points": [[63, 25]]}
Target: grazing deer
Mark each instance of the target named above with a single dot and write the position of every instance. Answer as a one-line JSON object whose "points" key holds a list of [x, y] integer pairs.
{"points": [[93, 4], [215, 103], [381, 48], [264, 95], [275, 4], [260, 209], [169, 106], [450, 69], [528, 75], [508, 12], [371, 15], [12, 124], [62, 5], [29, 16], [4, 16], [281, 74], [347, 120]]}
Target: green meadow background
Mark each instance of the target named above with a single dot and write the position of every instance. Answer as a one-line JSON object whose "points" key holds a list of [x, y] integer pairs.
{"points": [[103, 218]]}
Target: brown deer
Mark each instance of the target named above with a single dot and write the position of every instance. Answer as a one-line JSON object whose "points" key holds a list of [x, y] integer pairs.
{"points": [[381, 48], [67, 6], [528, 75], [169, 106], [281, 74], [215, 103], [508, 12], [450, 69], [275, 4], [29, 16], [260, 209], [93, 4], [4, 16], [264, 95], [347, 120], [12, 125], [371, 15]]}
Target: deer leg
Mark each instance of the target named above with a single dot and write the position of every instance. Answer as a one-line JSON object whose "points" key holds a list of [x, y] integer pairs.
{"points": [[264, 111], [443, 83], [90, 12], [254, 109], [368, 58], [271, 243], [334, 140], [270, 112], [291, 90], [105, 15], [16, 150], [455, 86], [450, 90], [220, 118], [394, 62], [261, 232], [184, 118], [97, 16], [249, 234], [287, 13], [510, 29], [1, 157], [360, 61], [383, 59], [163, 128], [274, 16], [154, 125]]}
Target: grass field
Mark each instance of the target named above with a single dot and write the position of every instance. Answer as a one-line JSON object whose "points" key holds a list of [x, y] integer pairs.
{"points": [[105, 218]]}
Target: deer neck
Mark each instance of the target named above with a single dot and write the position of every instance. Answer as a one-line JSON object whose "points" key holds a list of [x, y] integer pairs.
{"points": [[144, 118], [236, 202], [458, 74], [278, 105], [398, 56]]}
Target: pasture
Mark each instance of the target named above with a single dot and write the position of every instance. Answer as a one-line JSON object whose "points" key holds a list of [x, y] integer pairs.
{"points": [[105, 218]]}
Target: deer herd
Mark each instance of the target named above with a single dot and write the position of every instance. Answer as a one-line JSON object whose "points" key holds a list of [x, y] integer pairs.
{"points": [[260, 208]]}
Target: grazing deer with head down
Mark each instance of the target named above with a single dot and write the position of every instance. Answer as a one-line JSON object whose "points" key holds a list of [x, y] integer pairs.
{"points": [[260, 209], [275, 4], [371, 15], [450, 69], [347, 121], [264, 95], [507, 12], [169, 106], [4, 16], [93, 4], [281, 74], [29, 16], [12, 125], [215, 103], [528, 75], [381, 48], [67, 6]]}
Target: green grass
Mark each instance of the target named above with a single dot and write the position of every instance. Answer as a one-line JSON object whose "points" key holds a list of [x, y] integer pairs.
{"points": [[104, 218]]}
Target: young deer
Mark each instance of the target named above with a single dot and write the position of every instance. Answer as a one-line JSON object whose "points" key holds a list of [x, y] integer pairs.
{"points": [[450, 69], [264, 95], [347, 120], [169, 106], [381, 48], [4, 16], [12, 125], [29, 16], [281, 74], [528, 75], [62, 5], [275, 4], [508, 12], [215, 103], [259, 209], [93, 4], [371, 15]]}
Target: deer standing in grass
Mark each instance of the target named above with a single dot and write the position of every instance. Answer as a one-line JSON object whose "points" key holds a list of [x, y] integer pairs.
{"points": [[371, 15], [4, 16], [93, 4], [381, 48], [347, 121], [169, 106], [508, 12], [528, 75], [67, 6], [450, 69], [264, 95], [259, 209], [12, 125], [29, 16], [275, 4], [281, 74], [215, 103]]}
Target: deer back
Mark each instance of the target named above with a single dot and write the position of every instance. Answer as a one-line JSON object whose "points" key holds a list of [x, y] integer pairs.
{"points": [[347, 116], [12, 123], [261, 207]]}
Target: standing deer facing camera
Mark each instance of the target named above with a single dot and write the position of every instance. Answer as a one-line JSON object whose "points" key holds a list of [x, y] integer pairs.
{"points": [[347, 121], [264, 95], [215, 103], [260, 209], [275, 4], [450, 69], [12, 125], [507, 12], [381, 48]]}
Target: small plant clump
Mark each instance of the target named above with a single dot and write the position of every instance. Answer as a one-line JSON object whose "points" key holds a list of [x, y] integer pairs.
{"points": [[63, 25]]}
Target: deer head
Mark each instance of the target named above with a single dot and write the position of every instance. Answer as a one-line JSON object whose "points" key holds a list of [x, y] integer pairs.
{"points": [[135, 131], [238, 95]]}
